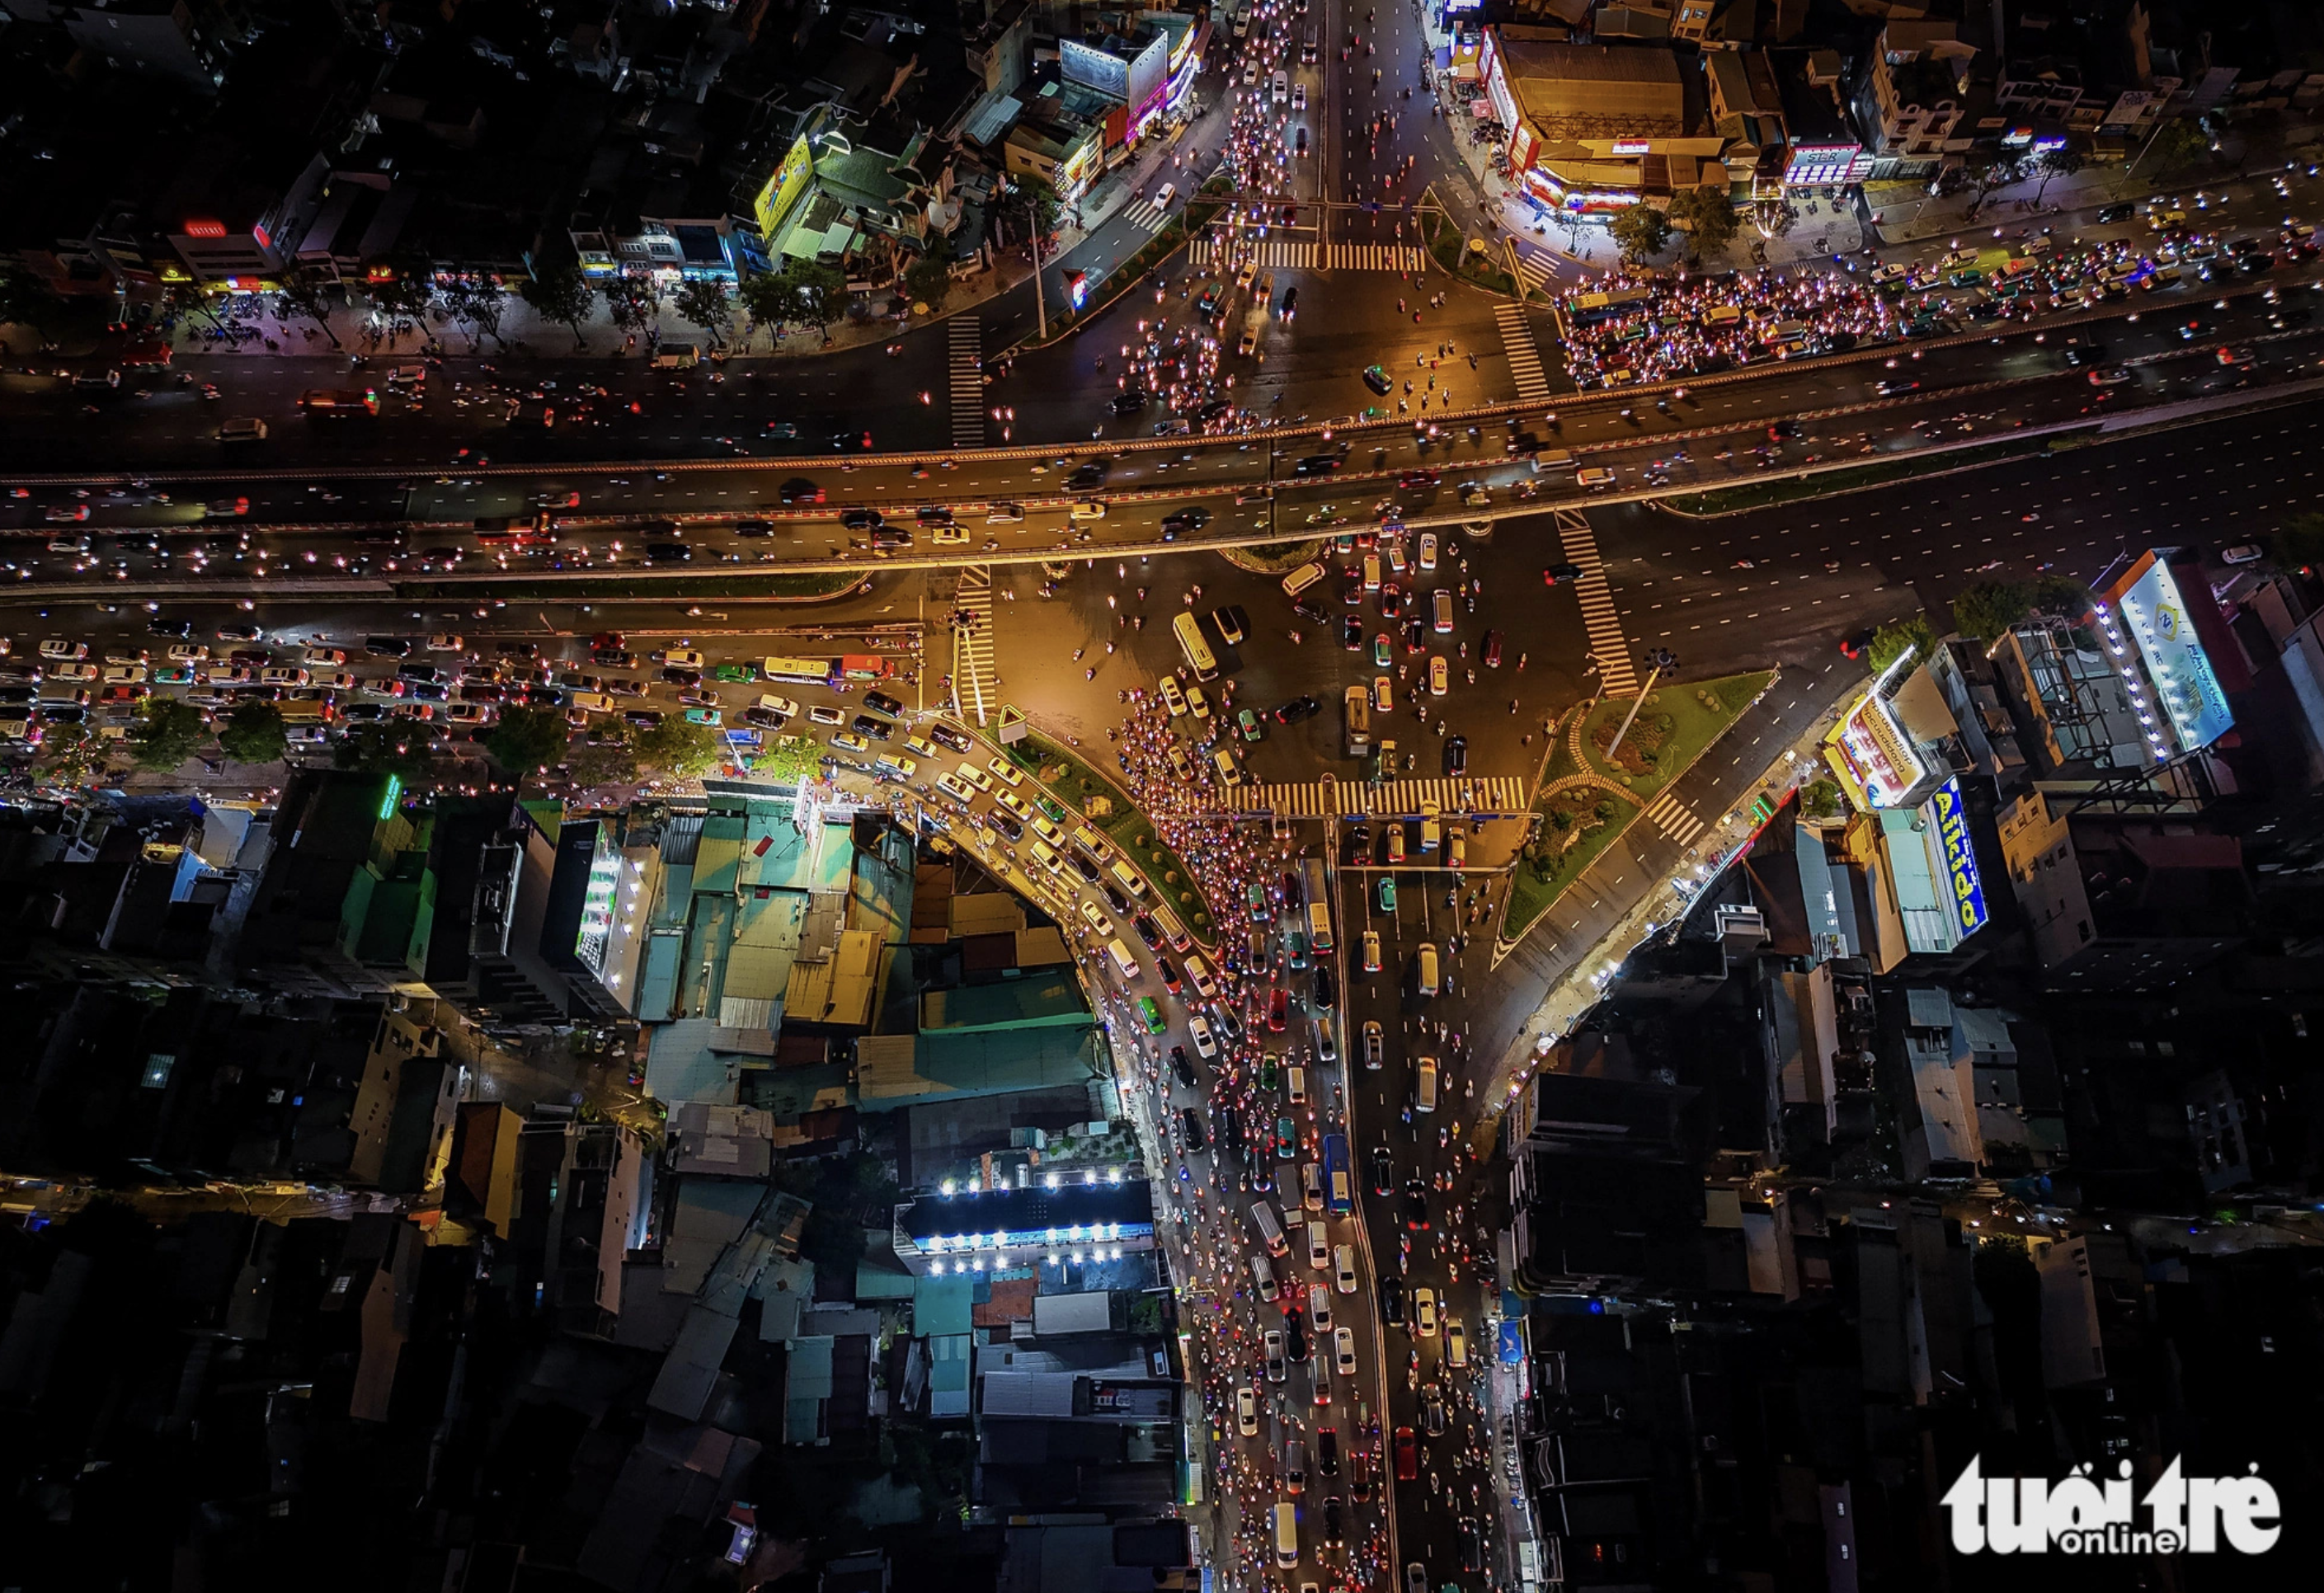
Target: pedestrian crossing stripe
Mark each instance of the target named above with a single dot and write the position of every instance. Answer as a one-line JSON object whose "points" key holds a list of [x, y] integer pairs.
{"points": [[1488, 795], [1672, 818], [1524, 356], [972, 685], [1534, 268], [967, 371], [1144, 214], [1286, 254], [1599, 618]]}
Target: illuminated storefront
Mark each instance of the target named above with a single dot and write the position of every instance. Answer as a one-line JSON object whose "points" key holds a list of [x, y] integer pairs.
{"points": [[1870, 752], [1586, 124]]}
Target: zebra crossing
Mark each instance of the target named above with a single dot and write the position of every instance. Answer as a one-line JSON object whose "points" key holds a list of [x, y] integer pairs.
{"points": [[1615, 675], [1323, 799], [1524, 356], [1285, 255], [1144, 213], [1672, 818], [1535, 268], [971, 649], [967, 372]]}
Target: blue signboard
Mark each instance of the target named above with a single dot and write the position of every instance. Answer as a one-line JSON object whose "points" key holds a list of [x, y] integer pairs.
{"points": [[2183, 680], [1512, 1342], [1960, 859]]}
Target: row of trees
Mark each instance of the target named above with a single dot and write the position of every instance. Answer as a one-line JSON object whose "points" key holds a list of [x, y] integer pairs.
{"points": [[530, 743], [1705, 216]]}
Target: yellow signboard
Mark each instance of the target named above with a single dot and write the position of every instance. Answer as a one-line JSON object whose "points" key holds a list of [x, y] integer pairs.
{"points": [[783, 188]]}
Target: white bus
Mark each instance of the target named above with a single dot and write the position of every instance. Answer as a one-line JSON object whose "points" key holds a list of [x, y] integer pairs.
{"points": [[1204, 662]]}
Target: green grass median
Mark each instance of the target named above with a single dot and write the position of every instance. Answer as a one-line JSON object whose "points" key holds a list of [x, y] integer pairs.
{"points": [[1078, 787]]}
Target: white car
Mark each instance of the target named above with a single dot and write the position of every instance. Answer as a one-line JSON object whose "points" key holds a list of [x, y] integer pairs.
{"points": [[1371, 950], [282, 676], [469, 713], [326, 656], [1423, 1313], [975, 777], [1247, 1411], [951, 788], [1319, 1307], [1172, 697], [1456, 1342], [1343, 1268], [824, 714], [445, 642], [679, 659], [1319, 1250], [1274, 1344], [1300, 97], [1428, 551], [338, 680], [1094, 919], [121, 674], [1198, 974], [70, 651], [789, 709], [1198, 703], [1087, 508], [1344, 1352], [1199, 1027], [189, 652], [1005, 772], [74, 672]]}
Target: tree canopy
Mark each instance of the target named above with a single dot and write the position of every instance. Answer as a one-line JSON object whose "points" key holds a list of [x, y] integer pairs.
{"points": [[167, 731], [525, 740], [1641, 232], [562, 294], [1890, 642], [1709, 217], [253, 733], [679, 747], [400, 747]]}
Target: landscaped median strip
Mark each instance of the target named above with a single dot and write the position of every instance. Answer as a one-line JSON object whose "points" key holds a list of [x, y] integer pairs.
{"points": [[1678, 722], [1073, 783]]}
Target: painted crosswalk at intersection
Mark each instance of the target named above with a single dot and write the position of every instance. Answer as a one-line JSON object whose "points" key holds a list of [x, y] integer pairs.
{"points": [[973, 687], [1145, 214], [966, 364], [1525, 355], [1616, 674], [1672, 818], [1309, 799]]}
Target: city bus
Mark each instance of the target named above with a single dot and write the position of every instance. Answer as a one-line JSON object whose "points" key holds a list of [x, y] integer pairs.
{"points": [[1356, 707], [1204, 662], [1339, 1188], [802, 671], [334, 401]]}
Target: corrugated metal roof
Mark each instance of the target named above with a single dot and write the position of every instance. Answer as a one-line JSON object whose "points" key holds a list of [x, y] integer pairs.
{"points": [[1029, 1394]]}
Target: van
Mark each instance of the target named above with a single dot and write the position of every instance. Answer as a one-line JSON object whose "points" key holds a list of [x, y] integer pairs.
{"points": [[1723, 314], [1319, 1247], [1424, 1093], [1265, 1275], [1295, 1466], [1787, 332], [1432, 826], [1172, 930], [1302, 578], [1124, 962], [1553, 459], [1310, 1186], [1129, 879], [1428, 968], [1294, 1084], [1286, 1537], [1230, 769], [676, 356], [1262, 1217]]}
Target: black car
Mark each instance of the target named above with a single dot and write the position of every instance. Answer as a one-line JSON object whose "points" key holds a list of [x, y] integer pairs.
{"points": [[1195, 1138], [876, 729], [674, 675], [1316, 464], [1298, 709], [1852, 645], [179, 628], [1295, 1334], [753, 527], [1327, 1452], [1333, 1530], [1114, 898], [668, 553], [1472, 1546], [1415, 1203], [1783, 431], [765, 718], [1009, 824], [427, 691], [2087, 353], [1147, 931], [1130, 401], [1085, 867], [1456, 755], [1182, 521], [1290, 301], [1383, 1171], [240, 633], [1224, 1017], [1351, 634], [2122, 210], [862, 519], [1391, 1298], [1309, 612], [1355, 844], [1232, 623], [1378, 380], [935, 514], [1261, 1179], [1896, 386], [643, 718], [1326, 987], [1182, 1065], [879, 702], [1415, 635], [20, 695], [416, 671], [1086, 476], [800, 490]]}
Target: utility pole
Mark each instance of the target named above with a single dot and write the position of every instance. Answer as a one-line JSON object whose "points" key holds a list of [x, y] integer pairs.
{"points": [[1041, 300], [1617, 745]]}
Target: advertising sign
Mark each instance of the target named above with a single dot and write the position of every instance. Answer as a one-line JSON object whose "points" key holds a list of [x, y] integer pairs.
{"points": [[1870, 753], [1960, 858], [1632, 146], [2153, 614], [1094, 69], [1149, 78], [783, 188]]}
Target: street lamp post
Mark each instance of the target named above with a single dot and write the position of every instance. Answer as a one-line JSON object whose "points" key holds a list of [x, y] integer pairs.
{"points": [[1662, 660]]}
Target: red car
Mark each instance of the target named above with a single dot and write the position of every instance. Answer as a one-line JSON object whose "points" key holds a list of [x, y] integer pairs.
{"points": [[1492, 650], [1412, 481], [1408, 1455], [1279, 1009], [1169, 972]]}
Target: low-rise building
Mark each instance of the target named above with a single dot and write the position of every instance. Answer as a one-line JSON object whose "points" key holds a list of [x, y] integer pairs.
{"points": [[1593, 128]]}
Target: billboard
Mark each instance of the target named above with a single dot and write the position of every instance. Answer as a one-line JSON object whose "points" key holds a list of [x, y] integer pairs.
{"points": [[1870, 752], [1960, 858], [784, 189], [2148, 611], [1094, 69]]}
